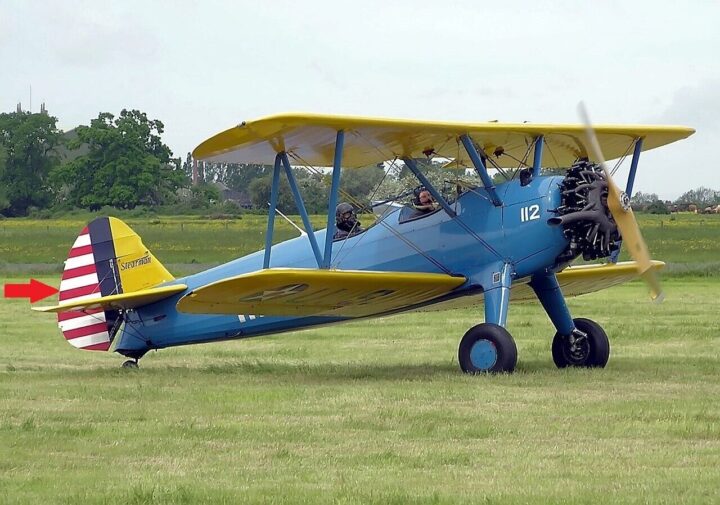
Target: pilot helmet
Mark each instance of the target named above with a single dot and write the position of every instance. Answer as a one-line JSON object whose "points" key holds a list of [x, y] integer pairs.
{"points": [[345, 214]]}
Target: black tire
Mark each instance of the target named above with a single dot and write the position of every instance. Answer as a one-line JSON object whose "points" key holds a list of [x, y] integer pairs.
{"points": [[487, 348], [131, 364], [592, 352]]}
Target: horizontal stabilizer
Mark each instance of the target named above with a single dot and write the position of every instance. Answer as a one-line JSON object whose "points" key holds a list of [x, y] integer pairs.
{"points": [[121, 301], [307, 292]]}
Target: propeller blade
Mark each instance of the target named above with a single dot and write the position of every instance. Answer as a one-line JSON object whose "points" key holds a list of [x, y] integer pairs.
{"points": [[619, 206]]}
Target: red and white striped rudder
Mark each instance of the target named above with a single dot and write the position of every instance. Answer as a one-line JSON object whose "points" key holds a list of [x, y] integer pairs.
{"points": [[87, 329]]}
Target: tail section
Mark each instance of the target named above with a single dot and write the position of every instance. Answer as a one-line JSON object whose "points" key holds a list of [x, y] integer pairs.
{"points": [[107, 258]]}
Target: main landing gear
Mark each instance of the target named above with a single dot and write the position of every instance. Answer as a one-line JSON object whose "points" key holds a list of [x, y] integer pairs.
{"points": [[490, 348], [487, 347], [587, 346]]}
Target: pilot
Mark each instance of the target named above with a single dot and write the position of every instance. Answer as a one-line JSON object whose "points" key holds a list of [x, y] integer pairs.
{"points": [[346, 222], [425, 202]]}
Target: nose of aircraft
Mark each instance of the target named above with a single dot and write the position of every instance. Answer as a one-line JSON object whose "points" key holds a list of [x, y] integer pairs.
{"points": [[584, 213], [619, 205]]}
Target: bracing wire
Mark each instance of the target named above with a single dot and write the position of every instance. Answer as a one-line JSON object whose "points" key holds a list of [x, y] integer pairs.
{"points": [[460, 222], [523, 161], [622, 158], [357, 203], [552, 155]]}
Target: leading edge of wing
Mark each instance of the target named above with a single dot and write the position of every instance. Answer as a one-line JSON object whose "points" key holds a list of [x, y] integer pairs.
{"points": [[310, 292], [371, 140]]}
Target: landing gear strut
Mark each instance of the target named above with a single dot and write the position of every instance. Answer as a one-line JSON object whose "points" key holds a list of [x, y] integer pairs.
{"points": [[578, 342], [489, 347]]}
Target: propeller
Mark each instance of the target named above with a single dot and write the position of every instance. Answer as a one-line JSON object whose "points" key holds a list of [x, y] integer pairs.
{"points": [[619, 206]]}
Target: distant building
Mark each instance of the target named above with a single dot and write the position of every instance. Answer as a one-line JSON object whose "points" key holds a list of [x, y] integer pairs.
{"points": [[241, 199]]}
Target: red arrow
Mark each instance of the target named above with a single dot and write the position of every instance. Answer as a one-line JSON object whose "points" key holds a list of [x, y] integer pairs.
{"points": [[35, 290]]}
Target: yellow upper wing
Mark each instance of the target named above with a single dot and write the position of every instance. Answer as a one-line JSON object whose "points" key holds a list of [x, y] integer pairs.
{"points": [[310, 140], [305, 292]]}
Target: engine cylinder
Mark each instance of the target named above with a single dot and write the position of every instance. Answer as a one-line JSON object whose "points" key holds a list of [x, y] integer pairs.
{"points": [[584, 214]]}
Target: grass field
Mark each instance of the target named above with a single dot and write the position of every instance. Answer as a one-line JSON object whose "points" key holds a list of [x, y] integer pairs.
{"points": [[372, 412], [44, 244], [690, 243], [369, 412]]}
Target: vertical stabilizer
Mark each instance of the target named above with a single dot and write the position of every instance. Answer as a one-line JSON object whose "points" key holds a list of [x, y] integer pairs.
{"points": [[107, 258]]}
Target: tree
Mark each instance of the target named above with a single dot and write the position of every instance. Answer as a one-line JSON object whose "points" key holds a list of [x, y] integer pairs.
{"points": [[702, 197], [126, 164], [358, 184], [312, 187], [187, 166], [203, 195], [28, 145], [4, 197], [239, 176], [657, 207], [260, 189], [642, 201]]}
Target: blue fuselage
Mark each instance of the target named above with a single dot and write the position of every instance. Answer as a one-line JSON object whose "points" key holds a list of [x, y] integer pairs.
{"points": [[516, 233]]}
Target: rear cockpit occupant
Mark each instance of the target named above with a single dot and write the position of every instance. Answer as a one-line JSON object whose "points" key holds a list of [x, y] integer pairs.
{"points": [[425, 202]]}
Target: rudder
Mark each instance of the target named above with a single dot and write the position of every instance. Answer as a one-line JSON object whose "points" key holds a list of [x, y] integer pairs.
{"points": [[107, 258]]}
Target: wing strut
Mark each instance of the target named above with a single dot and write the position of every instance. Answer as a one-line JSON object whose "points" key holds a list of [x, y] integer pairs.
{"points": [[537, 158], [301, 207], [282, 159], [633, 167], [629, 188], [480, 169], [446, 207], [271, 215], [332, 204], [433, 191]]}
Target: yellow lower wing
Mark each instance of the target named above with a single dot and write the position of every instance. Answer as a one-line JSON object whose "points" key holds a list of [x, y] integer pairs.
{"points": [[306, 292], [581, 279], [121, 301], [574, 281]]}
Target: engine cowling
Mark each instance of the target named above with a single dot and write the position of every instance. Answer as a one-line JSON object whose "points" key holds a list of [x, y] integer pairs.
{"points": [[584, 214]]}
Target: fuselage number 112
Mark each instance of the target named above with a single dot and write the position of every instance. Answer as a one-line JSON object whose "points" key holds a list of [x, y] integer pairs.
{"points": [[529, 213]]}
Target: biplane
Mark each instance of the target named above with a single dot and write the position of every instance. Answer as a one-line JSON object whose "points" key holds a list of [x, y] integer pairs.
{"points": [[485, 243]]}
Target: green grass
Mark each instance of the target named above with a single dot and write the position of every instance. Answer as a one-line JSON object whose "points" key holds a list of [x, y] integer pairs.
{"points": [[172, 239], [688, 242], [372, 412]]}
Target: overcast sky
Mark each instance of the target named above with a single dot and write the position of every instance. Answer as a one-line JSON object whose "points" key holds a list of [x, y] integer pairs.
{"points": [[201, 67]]}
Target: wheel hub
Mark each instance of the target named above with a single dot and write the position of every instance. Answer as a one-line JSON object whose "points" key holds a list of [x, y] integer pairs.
{"points": [[577, 348], [483, 354]]}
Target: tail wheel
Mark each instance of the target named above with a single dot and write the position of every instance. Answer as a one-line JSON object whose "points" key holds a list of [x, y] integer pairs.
{"points": [[489, 348], [588, 346], [131, 364]]}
